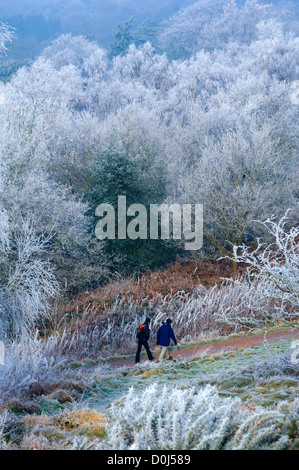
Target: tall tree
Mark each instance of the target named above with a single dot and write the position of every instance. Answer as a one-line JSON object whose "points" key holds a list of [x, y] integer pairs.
{"points": [[123, 37], [6, 36]]}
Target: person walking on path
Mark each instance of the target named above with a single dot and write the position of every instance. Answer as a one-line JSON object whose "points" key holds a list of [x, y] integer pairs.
{"points": [[143, 335], [164, 335]]}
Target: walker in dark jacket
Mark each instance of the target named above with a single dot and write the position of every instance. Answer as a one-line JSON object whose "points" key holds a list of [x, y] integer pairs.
{"points": [[143, 336], [164, 335]]}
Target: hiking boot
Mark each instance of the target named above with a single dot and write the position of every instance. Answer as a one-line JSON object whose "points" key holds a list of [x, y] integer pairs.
{"points": [[171, 359]]}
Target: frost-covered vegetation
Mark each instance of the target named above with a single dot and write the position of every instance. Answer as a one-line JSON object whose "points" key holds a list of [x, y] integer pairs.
{"points": [[6, 36], [178, 26], [224, 309], [242, 400], [79, 128], [201, 111], [228, 415], [277, 263], [174, 419]]}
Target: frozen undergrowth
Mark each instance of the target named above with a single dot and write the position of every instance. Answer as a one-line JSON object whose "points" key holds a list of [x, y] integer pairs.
{"points": [[3, 419], [262, 375], [222, 310], [29, 361], [166, 406], [278, 365], [37, 360], [170, 418], [173, 396]]}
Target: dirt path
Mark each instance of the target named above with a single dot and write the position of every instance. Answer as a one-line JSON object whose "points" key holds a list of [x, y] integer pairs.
{"points": [[229, 345]]}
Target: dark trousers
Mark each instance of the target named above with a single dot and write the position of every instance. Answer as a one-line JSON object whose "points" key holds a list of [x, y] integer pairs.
{"points": [[143, 342]]}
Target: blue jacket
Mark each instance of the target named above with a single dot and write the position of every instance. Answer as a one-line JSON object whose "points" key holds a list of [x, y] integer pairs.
{"points": [[165, 334]]}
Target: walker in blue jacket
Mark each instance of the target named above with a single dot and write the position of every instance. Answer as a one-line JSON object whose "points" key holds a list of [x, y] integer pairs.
{"points": [[164, 335]]}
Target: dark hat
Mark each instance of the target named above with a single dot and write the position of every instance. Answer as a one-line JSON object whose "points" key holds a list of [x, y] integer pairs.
{"points": [[169, 320]]}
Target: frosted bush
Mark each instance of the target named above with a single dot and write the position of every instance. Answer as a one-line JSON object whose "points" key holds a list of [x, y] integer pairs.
{"points": [[3, 419], [223, 309], [30, 360], [277, 263], [280, 365], [170, 419], [27, 281], [43, 361], [174, 419]]}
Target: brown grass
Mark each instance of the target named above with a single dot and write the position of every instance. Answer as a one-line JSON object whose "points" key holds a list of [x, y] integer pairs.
{"points": [[106, 319], [84, 422], [179, 277]]}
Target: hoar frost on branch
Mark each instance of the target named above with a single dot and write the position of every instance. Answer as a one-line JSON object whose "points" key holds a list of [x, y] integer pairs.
{"points": [[276, 263], [27, 281], [6, 36], [173, 419]]}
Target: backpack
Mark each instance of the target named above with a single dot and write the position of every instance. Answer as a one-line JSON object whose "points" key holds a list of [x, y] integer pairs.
{"points": [[140, 331]]}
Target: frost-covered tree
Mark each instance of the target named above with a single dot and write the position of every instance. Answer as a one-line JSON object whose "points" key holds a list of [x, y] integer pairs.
{"points": [[6, 36], [236, 150], [219, 125], [69, 50], [274, 51], [277, 262], [35, 108], [210, 24], [238, 178], [123, 37], [43, 152], [27, 281]]}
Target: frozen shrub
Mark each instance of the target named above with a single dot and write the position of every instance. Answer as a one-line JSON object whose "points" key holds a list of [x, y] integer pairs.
{"points": [[276, 263], [3, 419], [170, 419], [233, 306], [29, 361], [26, 280]]}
